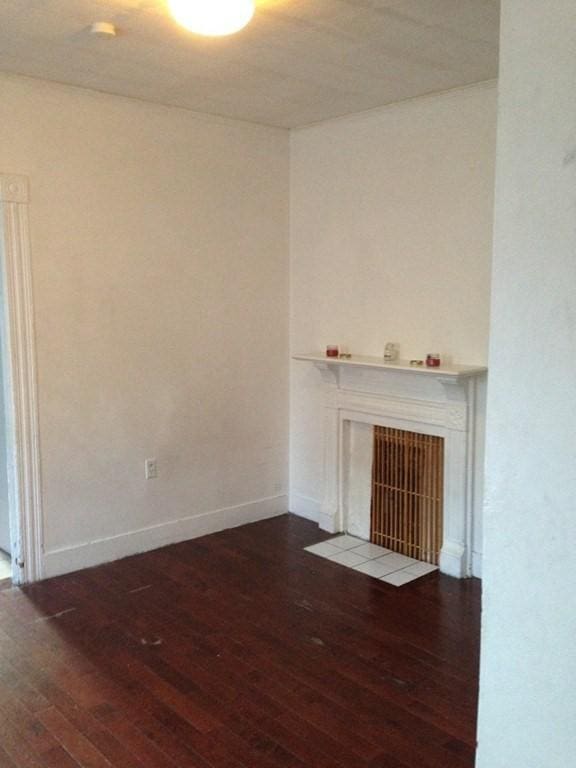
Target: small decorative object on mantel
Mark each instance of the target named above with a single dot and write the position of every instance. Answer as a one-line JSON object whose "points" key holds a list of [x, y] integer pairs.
{"points": [[416, 362], [345, 356], [332, 350], [433, 360], [391, 351]]}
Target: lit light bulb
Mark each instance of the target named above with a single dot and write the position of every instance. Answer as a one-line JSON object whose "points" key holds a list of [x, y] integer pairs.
{"points": [[213, 18]]}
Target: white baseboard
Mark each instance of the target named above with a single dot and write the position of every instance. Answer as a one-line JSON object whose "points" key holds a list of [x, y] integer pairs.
{"points": [[79, 556], [304, 506]]}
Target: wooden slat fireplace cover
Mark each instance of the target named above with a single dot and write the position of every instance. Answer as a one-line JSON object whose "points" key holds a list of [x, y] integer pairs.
{"points": [[407, 493]]}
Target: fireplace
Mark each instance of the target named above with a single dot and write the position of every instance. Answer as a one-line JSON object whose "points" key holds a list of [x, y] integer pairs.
{"points": [[368, 402]]}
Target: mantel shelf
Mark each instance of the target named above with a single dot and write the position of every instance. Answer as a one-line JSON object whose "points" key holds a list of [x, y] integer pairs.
{"points": [[359, 361]]}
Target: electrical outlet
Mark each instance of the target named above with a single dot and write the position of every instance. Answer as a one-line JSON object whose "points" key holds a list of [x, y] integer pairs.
{"points": [[150, 469]]}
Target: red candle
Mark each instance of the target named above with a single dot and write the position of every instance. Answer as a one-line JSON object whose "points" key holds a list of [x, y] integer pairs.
{"points": [[433, 360], [332, 350]]}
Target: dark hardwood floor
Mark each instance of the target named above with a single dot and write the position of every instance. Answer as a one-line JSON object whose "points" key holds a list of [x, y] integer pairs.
{"points": [[238, 650]]}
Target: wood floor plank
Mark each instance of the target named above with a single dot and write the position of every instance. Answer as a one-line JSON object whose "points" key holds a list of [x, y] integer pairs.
{"points": [[72, 740], [5, 761]]}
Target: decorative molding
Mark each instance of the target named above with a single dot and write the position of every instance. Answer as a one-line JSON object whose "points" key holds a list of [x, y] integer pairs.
{"points": [[20, 379], [457, 417], [403, 409], [331, 379], [329, 374], [85, 555]]}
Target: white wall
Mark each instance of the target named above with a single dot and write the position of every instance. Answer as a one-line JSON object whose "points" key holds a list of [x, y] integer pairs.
{"points": [[161, 286], [527, 701], [391, 232]]}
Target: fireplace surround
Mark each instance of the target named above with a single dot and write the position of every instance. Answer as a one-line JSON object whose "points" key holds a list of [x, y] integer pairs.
{"points": [[363, 392]]}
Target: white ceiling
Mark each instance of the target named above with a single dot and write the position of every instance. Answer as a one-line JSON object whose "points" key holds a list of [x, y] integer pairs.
{"points": [[298, 62]]}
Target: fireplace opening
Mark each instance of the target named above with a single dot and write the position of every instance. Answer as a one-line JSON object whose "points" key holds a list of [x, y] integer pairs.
{"points": [[407, 493]]}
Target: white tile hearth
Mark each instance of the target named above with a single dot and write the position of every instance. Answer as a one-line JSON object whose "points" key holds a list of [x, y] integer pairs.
{"points": [[348, 558], [371, 560], [345, 542], [398, 578], [421, 569], [371, 551], [401, 561], [324, 549], [376, 568]]}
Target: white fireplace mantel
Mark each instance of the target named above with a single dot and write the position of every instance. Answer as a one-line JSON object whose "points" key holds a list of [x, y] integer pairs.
{"points": [[441, 401], [375, 363]]}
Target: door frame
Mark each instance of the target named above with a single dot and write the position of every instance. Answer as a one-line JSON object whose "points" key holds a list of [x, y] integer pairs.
{"points": [[20, 381]]}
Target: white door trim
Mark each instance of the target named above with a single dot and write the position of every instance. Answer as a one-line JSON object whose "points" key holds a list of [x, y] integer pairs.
{"points": [[21, 391]]}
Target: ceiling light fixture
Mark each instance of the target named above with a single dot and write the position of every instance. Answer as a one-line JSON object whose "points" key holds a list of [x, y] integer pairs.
{"points": [[213, 18], [103, 29]]}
